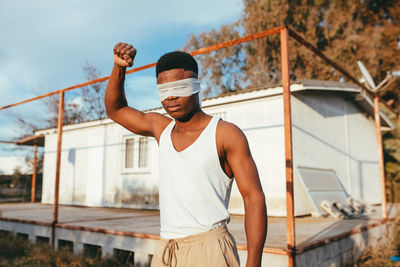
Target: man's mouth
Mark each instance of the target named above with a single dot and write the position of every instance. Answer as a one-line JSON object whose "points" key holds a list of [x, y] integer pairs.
{"points": [[173, 108]]}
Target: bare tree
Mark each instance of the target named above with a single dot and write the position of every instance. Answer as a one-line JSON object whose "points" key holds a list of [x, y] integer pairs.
{"points": [[81, 105], [93, 96]]}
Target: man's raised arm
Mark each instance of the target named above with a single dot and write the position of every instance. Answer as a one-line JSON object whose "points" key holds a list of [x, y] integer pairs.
{"points": [[148, 124]]}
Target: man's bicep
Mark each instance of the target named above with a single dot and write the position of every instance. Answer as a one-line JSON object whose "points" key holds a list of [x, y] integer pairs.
{"points": [[242, 163], [147, 124]]}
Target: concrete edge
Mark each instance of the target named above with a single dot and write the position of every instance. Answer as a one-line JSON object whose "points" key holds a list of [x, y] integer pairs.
{"points": [[308, 246]]}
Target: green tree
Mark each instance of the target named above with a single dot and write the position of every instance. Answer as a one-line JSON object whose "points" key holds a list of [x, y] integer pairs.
{"points": [[391, 144], [346, 31]]}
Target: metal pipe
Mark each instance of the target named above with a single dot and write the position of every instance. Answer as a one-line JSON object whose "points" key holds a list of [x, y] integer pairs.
{"points": [[194, 53], [238, 41], [380, 156], [287, 117], [58, 164], [335, 65], [33, 190]]}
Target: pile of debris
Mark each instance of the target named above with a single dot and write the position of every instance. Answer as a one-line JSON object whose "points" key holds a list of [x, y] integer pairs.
{"points": [[353, 208]]}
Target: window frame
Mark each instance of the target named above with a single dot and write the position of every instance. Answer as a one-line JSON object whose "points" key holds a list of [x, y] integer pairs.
{"points": [[135, 154]]}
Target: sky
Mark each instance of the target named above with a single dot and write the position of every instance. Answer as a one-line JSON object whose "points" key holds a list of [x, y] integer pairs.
{"points": [[45, 44]]}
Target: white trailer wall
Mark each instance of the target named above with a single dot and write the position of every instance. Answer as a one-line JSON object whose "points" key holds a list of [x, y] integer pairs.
{"points": [[91, 170], [262, 122], [329, 132]]}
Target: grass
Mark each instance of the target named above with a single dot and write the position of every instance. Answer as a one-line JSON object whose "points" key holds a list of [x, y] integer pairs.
{"points": [[380, 256], [17, 251]]}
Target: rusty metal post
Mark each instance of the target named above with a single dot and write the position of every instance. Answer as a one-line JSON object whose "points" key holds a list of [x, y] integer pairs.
{"points": [[287, 115], [380, 156], [58, 164], [33, 190]]}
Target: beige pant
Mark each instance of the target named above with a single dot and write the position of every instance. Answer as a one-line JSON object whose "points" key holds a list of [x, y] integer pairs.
{"points": [[214, 248]]}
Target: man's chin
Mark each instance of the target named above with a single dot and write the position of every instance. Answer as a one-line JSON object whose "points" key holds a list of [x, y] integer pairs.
{"points": [[180, 116]]}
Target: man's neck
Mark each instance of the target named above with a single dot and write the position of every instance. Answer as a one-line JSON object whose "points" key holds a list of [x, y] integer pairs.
{"points": [[196, 121]]}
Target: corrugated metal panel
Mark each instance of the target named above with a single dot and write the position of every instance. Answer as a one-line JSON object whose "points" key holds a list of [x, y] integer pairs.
{"points": [[321, 184]]}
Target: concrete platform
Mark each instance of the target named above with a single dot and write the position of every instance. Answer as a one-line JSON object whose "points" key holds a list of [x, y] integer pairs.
{"points": [[319, 241]]}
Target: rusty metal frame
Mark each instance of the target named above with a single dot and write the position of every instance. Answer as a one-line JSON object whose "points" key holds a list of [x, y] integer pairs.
{"points": [[148, 66], [335, 65], [287, 119], [380, 156], [33, 187], [377, 99], [285, 33], [58, 165]]}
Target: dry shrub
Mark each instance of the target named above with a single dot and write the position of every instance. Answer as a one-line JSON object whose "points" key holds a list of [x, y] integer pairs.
{"points": [[380, 256], [16, 251]]}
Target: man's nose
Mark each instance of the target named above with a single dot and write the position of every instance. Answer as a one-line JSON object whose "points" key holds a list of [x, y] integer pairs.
{"points": [[171, 98]]}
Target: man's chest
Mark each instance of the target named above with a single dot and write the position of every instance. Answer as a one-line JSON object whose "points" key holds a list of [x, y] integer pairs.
{"points": [[182, 141]]}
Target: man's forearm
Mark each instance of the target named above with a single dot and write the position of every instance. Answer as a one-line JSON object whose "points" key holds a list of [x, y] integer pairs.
{"points": [[256, 228], [114, 98]]}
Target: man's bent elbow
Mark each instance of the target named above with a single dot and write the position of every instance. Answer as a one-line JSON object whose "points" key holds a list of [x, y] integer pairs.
{"points": [[255, 199], [109, 114], [109, 111], [112, 109]]}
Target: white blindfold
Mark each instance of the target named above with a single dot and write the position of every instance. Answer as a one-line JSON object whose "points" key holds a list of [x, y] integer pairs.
{"points": [[185, 87]]}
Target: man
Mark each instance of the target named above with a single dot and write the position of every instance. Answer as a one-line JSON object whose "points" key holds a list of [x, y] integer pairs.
{"points": [[200, 155]]}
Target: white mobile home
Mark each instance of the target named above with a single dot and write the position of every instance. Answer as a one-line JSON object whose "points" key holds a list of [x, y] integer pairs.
{"points": [[334, 151]]}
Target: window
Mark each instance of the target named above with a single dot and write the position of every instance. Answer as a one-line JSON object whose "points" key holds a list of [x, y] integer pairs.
{"points": [[142, 152], [129, 151], [135, 154]]}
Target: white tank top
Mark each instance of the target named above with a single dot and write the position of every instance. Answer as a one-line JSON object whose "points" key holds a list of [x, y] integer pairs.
{"points": [[194, 190]]}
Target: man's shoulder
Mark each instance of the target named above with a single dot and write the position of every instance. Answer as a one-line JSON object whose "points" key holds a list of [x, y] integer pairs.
{"points": [[228, 129], [230, 137]]}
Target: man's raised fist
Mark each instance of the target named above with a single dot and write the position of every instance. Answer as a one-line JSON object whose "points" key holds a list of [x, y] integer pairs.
{"points": [[124, 54]]}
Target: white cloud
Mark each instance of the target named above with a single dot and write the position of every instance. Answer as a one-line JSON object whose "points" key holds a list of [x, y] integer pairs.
{"points": [[45, 43]]}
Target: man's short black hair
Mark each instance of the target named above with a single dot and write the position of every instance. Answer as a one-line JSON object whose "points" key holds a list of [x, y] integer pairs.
{"points": [[176, 60]]}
